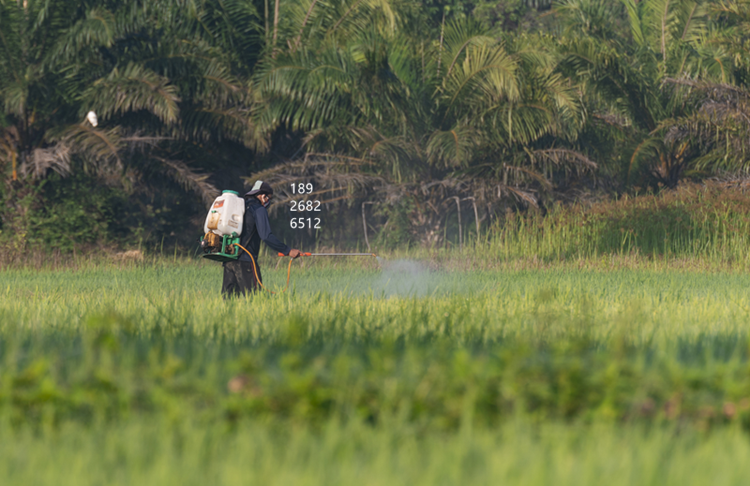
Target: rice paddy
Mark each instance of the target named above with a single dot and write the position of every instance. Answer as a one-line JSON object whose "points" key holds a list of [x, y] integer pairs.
{"points": [[403, 374]]}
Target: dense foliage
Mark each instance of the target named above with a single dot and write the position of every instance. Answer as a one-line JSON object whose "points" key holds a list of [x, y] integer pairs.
{"points": [[394, 108], [432, 348]]}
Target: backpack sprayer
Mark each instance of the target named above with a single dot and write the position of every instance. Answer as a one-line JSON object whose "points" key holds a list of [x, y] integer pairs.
{"points": [[222, 230]]}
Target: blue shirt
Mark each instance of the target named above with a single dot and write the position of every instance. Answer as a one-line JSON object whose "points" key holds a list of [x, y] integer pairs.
{"points": [[256, 227]]}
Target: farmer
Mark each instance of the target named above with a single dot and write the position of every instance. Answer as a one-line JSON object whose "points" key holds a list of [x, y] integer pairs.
{"points": [[239, 275]]}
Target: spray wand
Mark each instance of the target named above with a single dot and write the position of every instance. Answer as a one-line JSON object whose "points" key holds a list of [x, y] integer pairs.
{"points": [[289, 268], [335, 254]]}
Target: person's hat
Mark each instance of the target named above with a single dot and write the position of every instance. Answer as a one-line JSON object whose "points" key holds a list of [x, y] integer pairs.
{"points": [[260, 187]]}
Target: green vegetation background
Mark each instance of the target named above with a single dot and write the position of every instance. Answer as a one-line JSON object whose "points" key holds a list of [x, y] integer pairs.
{"points": [[569, 176], [144, 373], [426, 122]]}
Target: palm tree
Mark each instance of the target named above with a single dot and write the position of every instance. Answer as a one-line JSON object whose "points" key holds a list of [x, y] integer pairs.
{"points": [[718, 126], [467, 109], [158, 76], [624, 73]]}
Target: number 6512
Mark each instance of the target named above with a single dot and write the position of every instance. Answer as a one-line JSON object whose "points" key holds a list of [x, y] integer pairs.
{"points": [[302, 223]]}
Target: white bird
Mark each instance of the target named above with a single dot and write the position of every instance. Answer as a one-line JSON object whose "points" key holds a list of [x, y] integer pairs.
{"points": [[91, 117]]}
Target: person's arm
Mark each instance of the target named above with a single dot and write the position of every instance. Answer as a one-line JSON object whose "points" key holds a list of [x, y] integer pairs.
{"points": [[264, 231]]}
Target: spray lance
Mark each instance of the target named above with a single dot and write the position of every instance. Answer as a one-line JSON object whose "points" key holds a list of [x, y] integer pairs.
{"points": [[304, 254], [289, 267], [336, 254], [221, 239]]}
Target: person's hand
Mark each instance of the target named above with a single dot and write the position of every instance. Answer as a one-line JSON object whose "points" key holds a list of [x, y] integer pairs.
{"points": [[295, 253]]}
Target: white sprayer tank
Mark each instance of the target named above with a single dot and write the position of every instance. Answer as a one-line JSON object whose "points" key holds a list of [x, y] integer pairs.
{"points": [[225, 215]]}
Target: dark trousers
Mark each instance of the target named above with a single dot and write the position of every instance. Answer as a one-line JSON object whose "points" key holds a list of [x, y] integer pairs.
{"points": [[239, 279]]}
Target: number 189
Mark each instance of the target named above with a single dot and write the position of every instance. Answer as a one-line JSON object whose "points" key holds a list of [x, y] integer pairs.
{"points": [[302, 188]]}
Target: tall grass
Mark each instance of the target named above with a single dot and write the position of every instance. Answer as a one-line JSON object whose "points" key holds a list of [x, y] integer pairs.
{"points": [[708, 222], [148, 452], [702, 227], [628, 345], [395, 375]]}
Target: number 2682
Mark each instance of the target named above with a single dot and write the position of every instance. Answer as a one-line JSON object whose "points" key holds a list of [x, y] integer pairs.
{"points": [[305, 206]]}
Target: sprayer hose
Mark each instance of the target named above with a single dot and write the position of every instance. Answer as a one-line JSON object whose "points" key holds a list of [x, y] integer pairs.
{"points": [[255, 269]]}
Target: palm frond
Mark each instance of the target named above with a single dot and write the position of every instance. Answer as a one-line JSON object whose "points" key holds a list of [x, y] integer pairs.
{"points": [[43, 160], [99, 147], [190, 179], [97, 29], [486, 75], [455, 147], [132, 89]]}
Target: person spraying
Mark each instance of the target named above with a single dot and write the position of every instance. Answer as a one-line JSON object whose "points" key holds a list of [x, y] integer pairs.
{"points": [[240, 274], [232, 233]]}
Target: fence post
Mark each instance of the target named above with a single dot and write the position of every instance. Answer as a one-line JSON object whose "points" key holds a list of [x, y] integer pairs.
{"points": [[460, 229], [476, 213], [364, 224]]}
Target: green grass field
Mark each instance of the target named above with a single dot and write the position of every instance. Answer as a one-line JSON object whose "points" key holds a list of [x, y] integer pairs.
{"points": [[368, 375]]}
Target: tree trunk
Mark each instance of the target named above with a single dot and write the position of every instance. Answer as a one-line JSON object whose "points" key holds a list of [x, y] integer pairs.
{"points": [[275, 26], [304, 23], [266, 16]]}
